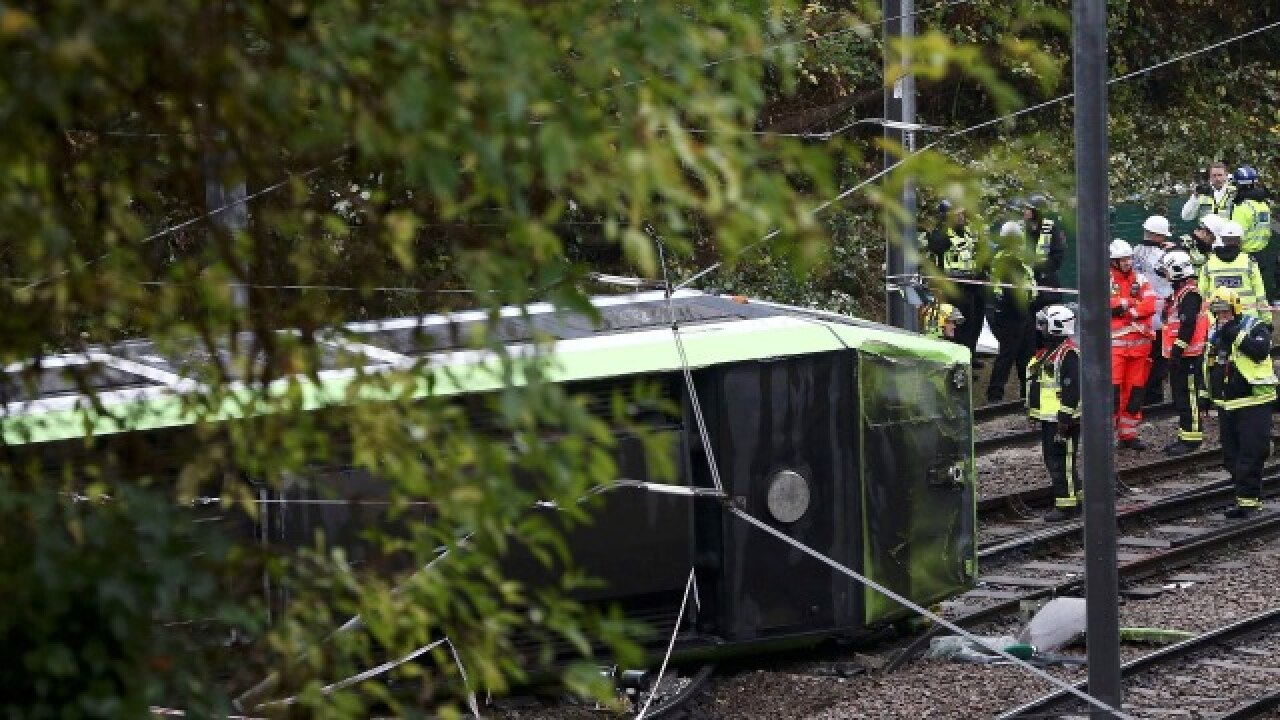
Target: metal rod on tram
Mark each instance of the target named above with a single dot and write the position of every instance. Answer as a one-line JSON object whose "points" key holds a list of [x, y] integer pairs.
{"points": [[1089, 45]]}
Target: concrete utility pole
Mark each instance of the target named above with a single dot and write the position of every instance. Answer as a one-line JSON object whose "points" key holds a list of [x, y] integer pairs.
{"points": [[1089, 56], [900, 107], [235, 218]]}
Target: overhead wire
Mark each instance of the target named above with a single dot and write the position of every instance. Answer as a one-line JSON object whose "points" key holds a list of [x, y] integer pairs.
{"points": [[965, 131], [191, 221]]}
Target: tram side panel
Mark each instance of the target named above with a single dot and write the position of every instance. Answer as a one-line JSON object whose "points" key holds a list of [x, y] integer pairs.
{"points": [[918, 480], [784, 436]]}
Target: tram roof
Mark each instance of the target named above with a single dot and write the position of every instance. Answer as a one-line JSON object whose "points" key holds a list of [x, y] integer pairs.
{"points": [[138, 385]]}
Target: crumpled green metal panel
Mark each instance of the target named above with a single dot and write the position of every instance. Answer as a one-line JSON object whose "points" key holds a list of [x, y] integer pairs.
{"points": [[919, 494]]}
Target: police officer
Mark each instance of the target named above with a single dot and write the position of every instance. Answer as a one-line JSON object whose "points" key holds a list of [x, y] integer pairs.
{"points": [[1182, 342], [1251, 210], [958, 253], [1050, 246], [1213, 197], [1012, 321], [1228, 266], [1132, 305], [1053, 400], [1242, 384]]}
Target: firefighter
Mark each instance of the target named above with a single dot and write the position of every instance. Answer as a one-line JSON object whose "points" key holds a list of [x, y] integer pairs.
{"points": [[1211, 198], [1251, 210], [1156, 241], [1242, 384], [1050, 246], [1132, 305], [1053, 400], [957, 252], [939, 319], [1012, 321], [1230, 267], [1182, 341]]}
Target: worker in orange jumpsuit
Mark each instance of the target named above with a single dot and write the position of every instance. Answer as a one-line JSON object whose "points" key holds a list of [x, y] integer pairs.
{"points": [[1133, 304]]}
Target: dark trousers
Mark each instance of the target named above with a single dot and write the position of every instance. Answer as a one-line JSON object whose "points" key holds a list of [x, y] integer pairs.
{"points": [[1186, 384], [1060, 455], [1016, 333], [971, 300], [1246, 443], [1269, 265], [1155, 381]]}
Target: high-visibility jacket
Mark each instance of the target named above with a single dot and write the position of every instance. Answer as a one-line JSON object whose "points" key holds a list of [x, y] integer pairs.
{"points": [[961, 257], [1173, 325], [1235, 379], [1242, 274], [1221, 206], [1254, 217], [1131, 331], [1044, 241], [1044, 384]]}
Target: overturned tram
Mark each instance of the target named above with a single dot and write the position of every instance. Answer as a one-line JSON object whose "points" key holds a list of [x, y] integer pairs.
{"points": [[847, 437]]}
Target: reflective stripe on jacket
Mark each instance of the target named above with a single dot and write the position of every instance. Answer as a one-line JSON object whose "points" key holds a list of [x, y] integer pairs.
{"points": [[1173, 323]]}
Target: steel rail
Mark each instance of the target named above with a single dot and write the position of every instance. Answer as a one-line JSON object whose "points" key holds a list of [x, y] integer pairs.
{"points": [[1199, 643], [1017, 437], [1129, 476], [1164, 509]]}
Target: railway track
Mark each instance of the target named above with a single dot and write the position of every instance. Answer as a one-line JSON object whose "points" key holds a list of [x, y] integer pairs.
{"points": [[992, 443], [1231, 673]]}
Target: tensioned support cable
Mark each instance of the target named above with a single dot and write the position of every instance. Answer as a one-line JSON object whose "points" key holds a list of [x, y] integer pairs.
{"points": [[761, 525], [689, 586]]}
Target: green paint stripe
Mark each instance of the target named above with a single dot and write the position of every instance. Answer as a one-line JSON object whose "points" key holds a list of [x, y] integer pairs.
{"points": [[595, 360]]}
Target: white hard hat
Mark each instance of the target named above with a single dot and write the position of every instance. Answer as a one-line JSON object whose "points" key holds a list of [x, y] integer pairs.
{"points": [[1230, 228], [1157, 224], [1212, 222], [1011, 228], [1176, 265], [1056, 320], [1120, 249]]}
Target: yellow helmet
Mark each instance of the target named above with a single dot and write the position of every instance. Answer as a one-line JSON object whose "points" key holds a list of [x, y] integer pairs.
{"points": [[1226, 298], [950, 312]]}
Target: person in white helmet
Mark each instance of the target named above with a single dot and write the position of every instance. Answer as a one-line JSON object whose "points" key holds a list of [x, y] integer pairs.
{"points": [[1199, 243], [1053, 400], [1156, 241], [1182, 343], [1132, 305], [1229, 266], [1011, 310]]}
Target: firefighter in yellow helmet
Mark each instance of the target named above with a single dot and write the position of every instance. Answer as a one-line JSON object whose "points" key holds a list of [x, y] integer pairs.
{"points": [[1242, 384], [940, 320]]}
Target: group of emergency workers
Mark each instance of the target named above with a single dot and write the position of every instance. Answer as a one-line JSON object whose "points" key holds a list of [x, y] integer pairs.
{"points": [[1196, 310]]}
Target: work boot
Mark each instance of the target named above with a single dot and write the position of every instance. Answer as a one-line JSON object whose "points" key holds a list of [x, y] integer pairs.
{"points": [[1180, 448], [1132, 444], [1238, 512], [1061, 514]]}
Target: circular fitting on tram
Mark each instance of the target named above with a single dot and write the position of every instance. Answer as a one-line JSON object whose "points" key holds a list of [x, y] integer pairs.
{"points": [[788, 499]]}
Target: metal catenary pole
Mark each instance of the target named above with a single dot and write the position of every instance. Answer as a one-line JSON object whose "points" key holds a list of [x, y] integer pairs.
{"points": [[1101, 578], [900, 107], [218, 195]]}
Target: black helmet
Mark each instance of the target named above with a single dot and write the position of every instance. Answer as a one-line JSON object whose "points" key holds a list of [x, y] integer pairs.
{"points": [[944, 208]]}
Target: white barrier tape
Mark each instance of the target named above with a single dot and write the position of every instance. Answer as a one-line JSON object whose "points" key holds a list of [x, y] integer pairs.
{"points": [[897, 281]]}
